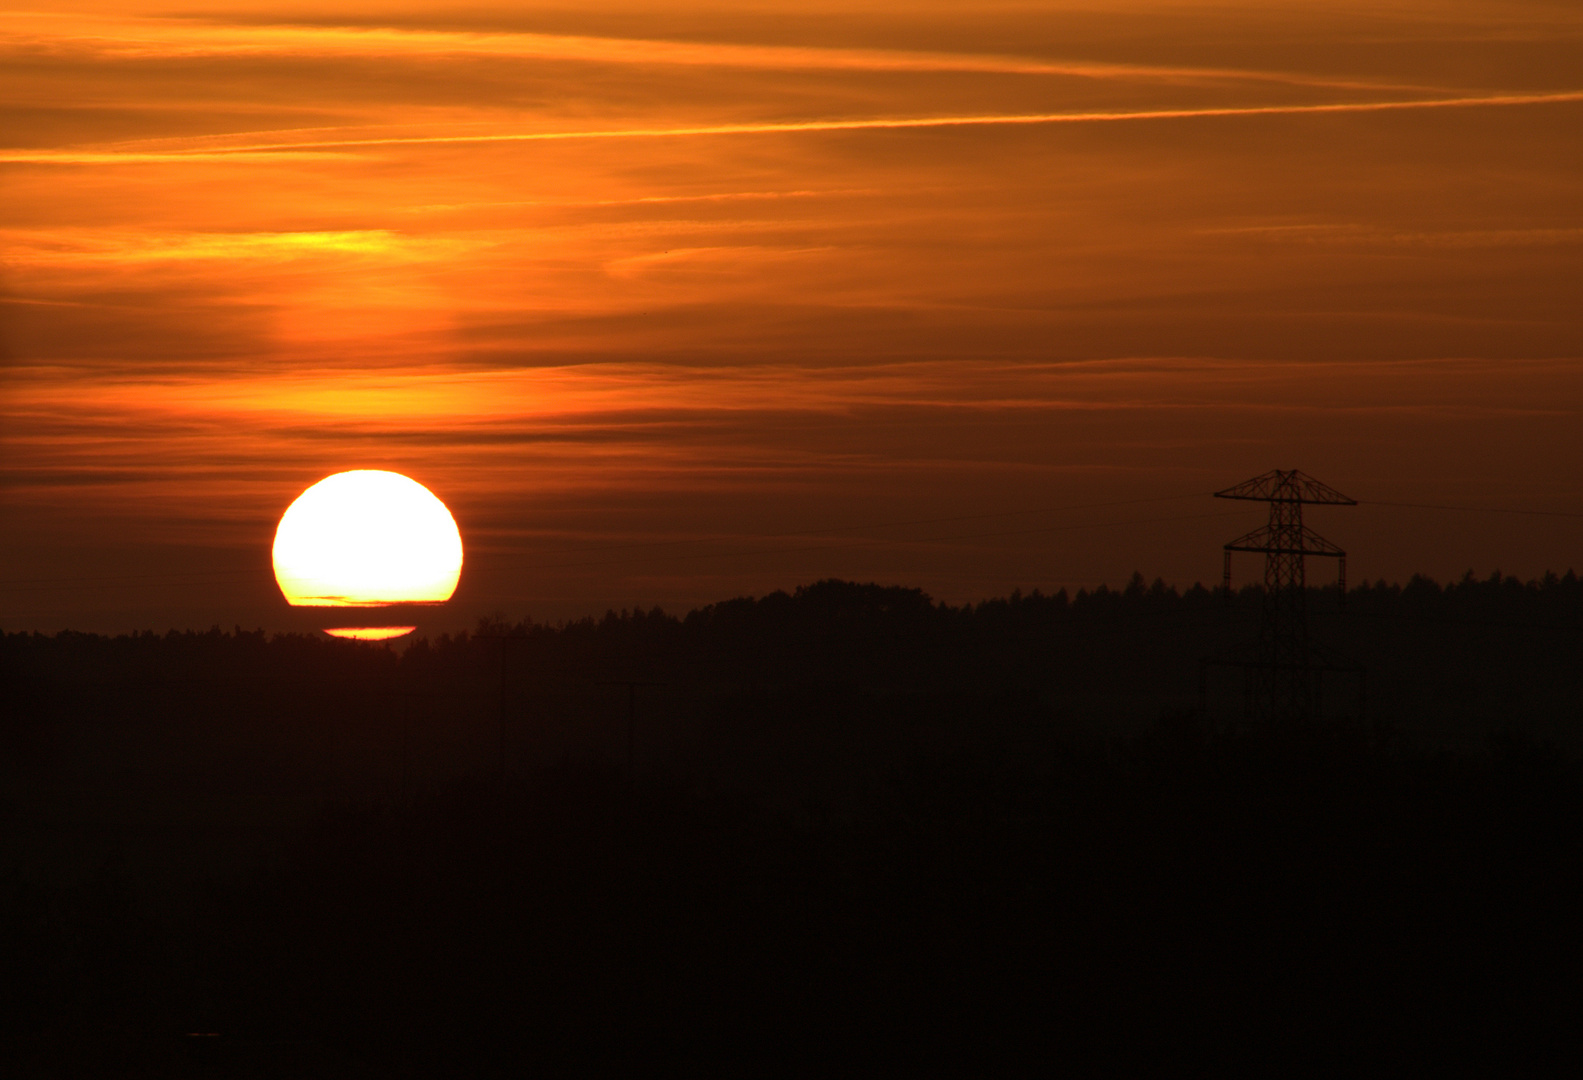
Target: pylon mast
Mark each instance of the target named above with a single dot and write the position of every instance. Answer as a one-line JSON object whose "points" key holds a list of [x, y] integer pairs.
{"points": [[1285, 676]]}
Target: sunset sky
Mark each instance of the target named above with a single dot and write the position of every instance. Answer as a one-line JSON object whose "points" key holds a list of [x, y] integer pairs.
{"points": [[671, 303]]}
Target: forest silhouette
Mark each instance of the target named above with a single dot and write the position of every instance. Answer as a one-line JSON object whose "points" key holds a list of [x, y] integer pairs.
{"points": [[846, 829]]}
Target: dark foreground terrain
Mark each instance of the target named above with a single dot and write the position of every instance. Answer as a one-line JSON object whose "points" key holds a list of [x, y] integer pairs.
{"points": [[847, 831]]}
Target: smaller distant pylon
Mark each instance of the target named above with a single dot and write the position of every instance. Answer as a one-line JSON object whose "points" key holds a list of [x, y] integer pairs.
{"points": [[1285, 677]]}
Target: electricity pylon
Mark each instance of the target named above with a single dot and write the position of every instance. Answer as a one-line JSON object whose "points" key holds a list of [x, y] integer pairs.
{"points": [[1285, 677]]}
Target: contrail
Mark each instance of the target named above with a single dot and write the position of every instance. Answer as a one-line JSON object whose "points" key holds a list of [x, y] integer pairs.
{"points": [[330, 146]]}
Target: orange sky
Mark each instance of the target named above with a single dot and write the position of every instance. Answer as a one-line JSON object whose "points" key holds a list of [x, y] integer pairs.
{"points": [[671, 305]]}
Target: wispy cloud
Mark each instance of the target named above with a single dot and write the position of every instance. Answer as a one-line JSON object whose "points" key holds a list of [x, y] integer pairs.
{"points": [[1342, 234], [631, 397], [159, 38], [252, 151], [65, 247], [588, 285]]}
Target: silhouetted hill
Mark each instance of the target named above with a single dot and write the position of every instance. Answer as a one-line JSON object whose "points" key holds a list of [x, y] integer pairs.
{"points": [[857, 829]]}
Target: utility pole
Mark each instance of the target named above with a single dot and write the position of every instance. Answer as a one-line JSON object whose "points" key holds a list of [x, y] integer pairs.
{"points": [[406, 740], [501, 731], [1285, 676], [632, 709]]}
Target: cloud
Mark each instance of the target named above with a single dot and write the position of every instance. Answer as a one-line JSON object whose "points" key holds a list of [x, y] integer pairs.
{"points": [[83, 247], [1349, 234], [595, 285], [166, 38], [252, 151]]}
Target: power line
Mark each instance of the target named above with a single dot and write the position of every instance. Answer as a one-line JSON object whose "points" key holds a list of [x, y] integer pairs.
{"points": [[881, 540], [885, 524], [194, 576], [201, 577], [1473, 509], [198, 577], [757, 551]]}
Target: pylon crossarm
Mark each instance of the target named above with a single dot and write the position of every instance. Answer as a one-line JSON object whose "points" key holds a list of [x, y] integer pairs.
{"points": [[1268, 541], [1260, 488], [1316, 492], [1286, 485], [1314, 544]]}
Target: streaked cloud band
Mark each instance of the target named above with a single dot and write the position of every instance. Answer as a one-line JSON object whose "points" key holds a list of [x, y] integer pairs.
{"points": [[171, 38], [254, 151]]}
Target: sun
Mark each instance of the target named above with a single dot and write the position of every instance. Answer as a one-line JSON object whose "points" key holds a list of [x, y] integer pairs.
{"points": [[367, 538]]}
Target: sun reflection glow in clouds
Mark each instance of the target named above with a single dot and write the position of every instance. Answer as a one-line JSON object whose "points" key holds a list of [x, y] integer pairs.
{"points": [[367, 538]]}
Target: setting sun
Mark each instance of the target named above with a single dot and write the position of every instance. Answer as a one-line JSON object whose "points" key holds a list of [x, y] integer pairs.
{"points": [[367, 538], [896, 442]]}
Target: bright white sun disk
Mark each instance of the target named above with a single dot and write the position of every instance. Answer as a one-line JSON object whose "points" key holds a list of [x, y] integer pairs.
{"points": [[367, 538]]}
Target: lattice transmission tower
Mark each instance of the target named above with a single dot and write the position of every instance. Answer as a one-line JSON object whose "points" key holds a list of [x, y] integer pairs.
{"points": [[1284, 679]]}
